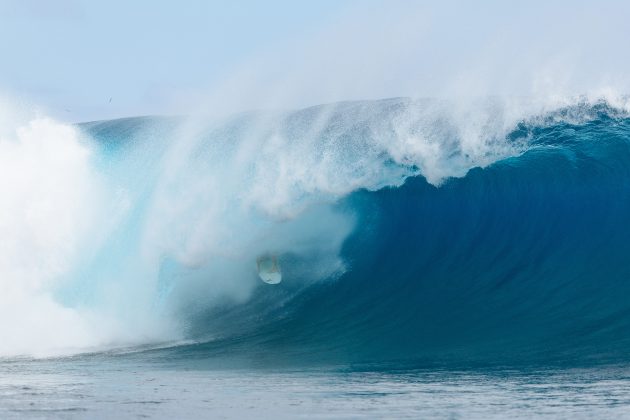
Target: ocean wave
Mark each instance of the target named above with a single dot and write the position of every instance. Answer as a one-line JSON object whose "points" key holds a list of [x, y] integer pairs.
{"points": [[485, 229]]}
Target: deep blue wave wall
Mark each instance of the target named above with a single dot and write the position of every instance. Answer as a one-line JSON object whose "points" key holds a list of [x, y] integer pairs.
{"points": [[525, 260]]}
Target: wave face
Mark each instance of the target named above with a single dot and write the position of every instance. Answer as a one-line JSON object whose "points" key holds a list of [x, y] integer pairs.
{"points": [[406, 230], [526, 260]]}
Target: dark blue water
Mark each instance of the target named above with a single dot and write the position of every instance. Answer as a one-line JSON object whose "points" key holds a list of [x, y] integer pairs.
{"points": [[524, 261]]}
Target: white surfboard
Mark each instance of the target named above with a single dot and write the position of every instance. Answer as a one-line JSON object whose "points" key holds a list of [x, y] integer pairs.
{"points": [[269, 269]]}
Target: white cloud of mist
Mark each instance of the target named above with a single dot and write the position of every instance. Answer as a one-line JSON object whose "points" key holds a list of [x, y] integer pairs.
{"points": [[429, 49], [158, 58]]}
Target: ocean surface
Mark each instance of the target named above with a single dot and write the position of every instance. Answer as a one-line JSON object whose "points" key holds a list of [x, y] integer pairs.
{"points": [[98, 387], [439, 259]]}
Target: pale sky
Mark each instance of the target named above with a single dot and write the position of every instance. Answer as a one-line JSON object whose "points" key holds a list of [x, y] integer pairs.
{"points": [[69, 57]]}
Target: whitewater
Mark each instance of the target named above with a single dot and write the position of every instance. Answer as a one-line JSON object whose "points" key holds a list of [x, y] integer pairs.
{"points": [[428, 241]]}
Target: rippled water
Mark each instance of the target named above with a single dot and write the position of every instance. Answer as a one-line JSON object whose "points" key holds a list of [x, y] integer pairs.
{"points": [[112, 387]]}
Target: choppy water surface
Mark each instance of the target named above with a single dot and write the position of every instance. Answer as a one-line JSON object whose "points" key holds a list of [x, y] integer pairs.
{"points": [[96, 387]]}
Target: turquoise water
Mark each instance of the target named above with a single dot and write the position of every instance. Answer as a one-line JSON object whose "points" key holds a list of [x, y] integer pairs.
{"points": [[403, 233]]}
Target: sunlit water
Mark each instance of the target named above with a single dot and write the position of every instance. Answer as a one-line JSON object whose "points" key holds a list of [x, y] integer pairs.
{"points": [[98, 387]]}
